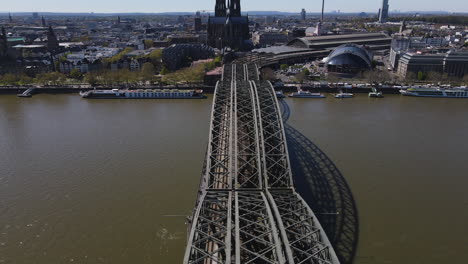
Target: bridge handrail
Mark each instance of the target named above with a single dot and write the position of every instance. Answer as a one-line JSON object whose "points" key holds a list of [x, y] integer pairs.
{"points": [[283, 131]]}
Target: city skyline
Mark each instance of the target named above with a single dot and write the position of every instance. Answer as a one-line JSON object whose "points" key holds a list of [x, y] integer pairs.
{"points": [[144, 6]]}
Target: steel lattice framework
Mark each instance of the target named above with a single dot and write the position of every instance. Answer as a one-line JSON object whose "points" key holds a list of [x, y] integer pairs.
{"points": [[247, 210]]}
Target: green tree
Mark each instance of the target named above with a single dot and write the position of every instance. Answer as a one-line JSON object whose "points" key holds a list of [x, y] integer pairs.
{"points": [[76, 74], [147, 71], [411, 76], [24, 79], [119, 56], [284, 67], [218, 61], [306, 71], [465, 79], [149, 43], [421, 76], [300, 77], [9, 79], [434, 76], [268, 74], [91, 78], [164, 71], [54, 78]]}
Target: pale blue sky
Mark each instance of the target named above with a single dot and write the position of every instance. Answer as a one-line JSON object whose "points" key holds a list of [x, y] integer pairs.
{"points": [[156, 6]]}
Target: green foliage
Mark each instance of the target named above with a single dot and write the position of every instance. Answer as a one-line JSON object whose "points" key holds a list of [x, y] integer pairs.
{"points": [[421, 76], [149, 43], [119, 56], [211, 65], [9, 79], [465, 79], [306, 71], [76, 74], [91, 78], [268, 74], [466, 44], [147, 71], [53, 78], [300, 77], [191, 74], [452, 20], [164, 71], [218, 61], [284, 67]]}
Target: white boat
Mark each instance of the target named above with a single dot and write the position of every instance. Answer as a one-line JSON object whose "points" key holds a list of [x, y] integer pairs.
{"points": [[457, 92], [143, 94], [306, 94], [280, 95], [344, 95], [375, 94]]}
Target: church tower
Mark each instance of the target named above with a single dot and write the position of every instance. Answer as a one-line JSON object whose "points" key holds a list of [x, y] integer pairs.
{"points": [[52, 41], [220, 8], [235, 8]]}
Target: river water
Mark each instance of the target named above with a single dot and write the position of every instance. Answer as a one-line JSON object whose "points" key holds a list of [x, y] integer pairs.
{"points": [[111, 181]]}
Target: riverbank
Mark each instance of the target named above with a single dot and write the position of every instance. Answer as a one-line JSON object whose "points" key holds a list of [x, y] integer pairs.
{"points": [[67, 89]]}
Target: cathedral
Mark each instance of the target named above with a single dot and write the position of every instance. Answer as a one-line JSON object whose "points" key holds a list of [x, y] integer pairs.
{"points": [[228, 28]]}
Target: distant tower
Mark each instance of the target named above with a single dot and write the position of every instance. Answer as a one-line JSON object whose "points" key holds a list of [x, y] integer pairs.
{"points": [[383, 14], [10, 18], [323, 10], [235, 8], [35, 15], [318, 30], [303, 14], [220, 8], [198, 22], [43, 22], [118, 20], [52, 41], [403, 26]]}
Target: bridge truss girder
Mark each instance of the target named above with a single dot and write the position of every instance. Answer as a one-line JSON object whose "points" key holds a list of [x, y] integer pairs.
{"points": [[304, 238], [248, 211]]}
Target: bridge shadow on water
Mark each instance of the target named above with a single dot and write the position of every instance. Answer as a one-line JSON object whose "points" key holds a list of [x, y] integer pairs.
{"points": [[323, 187]]}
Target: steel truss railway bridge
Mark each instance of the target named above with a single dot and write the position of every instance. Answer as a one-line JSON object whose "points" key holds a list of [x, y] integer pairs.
{"points": [[248, 210]]}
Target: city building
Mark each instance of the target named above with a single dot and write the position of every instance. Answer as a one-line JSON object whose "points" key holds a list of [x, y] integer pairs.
{"points": [[373, 41], [198, 24], [228, 28], [179, 55], [383, 12], [453, 63], [265, 39], [303, 14], [400, 45], [348, 59]]}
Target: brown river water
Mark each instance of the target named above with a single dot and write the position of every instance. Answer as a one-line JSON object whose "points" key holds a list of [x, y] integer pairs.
{"points": [[112, 181]]}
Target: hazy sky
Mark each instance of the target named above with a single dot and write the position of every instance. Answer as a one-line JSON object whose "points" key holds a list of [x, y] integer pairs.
{"points": [[156, 6]]}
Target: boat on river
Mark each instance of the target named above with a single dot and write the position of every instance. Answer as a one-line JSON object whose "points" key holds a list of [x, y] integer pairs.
{"points": [[143, 94], [425, 91], [306, 94]]}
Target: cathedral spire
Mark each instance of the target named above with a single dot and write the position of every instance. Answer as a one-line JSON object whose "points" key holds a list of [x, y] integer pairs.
{"points": [[52, 41], [235, 8], [220, 8]]}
